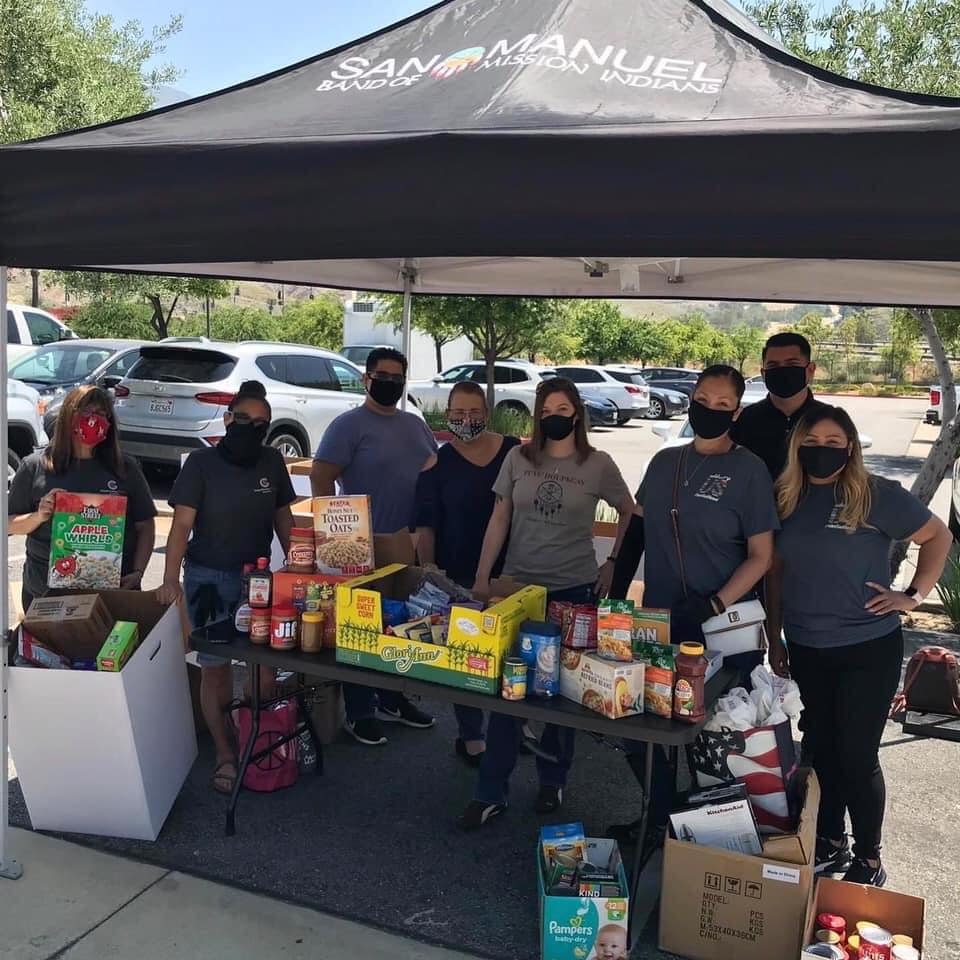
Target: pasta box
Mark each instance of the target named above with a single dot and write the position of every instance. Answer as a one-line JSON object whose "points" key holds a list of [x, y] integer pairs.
{"points": [[477, 641], [610, 687]]}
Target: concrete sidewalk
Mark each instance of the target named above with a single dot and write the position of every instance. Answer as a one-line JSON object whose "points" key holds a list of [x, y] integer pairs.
{"points": [[76, 903]]}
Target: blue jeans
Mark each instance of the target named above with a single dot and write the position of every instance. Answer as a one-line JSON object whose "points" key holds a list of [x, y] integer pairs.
{"points": [[469, 722], [504, 733], [211, 595]]}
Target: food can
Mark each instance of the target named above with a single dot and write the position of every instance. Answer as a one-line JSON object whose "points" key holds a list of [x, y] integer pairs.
{"points": [[830, 921], [540, 650], [514, 679], [853, 945], [904, 951], [875, 944], [828, 936], [829, 951], [902, 940], [260, 627], [863, 924]]}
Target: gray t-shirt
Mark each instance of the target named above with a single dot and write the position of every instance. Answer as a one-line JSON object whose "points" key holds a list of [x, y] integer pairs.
{"points": [[381, 456], [554, 506], [723, 500], [826, 568]]}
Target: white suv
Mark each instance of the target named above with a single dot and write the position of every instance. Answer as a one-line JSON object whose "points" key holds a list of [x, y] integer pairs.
{"points": [[172, 400], [25, 431], [632, 399], [515, 384]]}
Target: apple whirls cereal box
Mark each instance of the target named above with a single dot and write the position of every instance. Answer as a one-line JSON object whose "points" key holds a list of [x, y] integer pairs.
{"points": [[86, 540]]}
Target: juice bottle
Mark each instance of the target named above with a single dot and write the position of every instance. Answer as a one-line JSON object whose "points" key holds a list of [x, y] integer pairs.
{"points": [[689, 701], [261, 585]]}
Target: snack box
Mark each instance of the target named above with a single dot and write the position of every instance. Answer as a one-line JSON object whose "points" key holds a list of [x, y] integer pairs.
{"points": [[615, 630], [562, 843], [74, 625], [86, 540], [39, 654], [650, 625], [119, 646], [478, 641], [344, 535], [610, 687]]}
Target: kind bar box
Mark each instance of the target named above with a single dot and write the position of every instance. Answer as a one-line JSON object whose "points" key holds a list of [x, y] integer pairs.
{"points": [[650, 625], [74, 626], [610, 687], [344, 535], [86, 540], [119, 646], [717, 904]]}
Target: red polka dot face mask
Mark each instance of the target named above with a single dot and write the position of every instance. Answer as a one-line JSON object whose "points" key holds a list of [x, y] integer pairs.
{"points": [[91, 428]]}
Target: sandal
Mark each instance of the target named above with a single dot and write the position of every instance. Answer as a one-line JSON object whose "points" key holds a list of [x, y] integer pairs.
{"points": [[224, 782]]}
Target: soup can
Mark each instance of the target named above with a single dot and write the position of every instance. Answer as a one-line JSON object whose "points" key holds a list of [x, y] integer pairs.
{"points": [[514, 678], [829, 951], [875, 943]]}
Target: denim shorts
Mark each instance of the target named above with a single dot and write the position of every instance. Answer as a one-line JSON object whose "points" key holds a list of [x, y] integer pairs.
{"points": [[199, 602]]}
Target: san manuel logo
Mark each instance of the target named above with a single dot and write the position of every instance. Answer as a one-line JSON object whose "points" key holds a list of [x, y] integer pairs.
{"points": [[616, 65]]}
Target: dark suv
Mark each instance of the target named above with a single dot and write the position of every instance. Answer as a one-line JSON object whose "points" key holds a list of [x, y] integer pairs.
{"points": [[672, 378]]}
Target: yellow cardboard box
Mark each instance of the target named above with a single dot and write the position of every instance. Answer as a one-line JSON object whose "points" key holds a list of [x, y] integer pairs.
{"points": [[477, 642]]}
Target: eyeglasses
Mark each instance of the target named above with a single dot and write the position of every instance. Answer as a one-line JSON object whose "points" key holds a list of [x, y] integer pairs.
{"points": [[245, 418], [388, 377]]}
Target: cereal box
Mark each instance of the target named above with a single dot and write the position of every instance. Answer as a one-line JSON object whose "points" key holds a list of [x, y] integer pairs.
{"points": [[86, 540], [608, 687], [344, 535], [615, 630]]}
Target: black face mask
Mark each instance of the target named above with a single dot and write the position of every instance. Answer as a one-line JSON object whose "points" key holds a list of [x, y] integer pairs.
{"points": [[785, 382], [557, 427], [243, 443], [385, 392], [823, 462], [709, 424]]}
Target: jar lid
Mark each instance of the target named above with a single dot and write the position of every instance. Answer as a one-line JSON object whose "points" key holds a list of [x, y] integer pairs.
{"points": [[284, 612], [691, 649], [313, 616]]}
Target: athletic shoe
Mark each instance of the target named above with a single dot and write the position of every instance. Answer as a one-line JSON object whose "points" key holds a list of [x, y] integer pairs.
{"points": [[470, 759], [367, 730], [477, 813], [549, 799], [861, 872], [830, 858], [407, 714]]}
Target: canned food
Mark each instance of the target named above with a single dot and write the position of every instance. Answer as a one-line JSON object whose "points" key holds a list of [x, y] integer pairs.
{"points": [[875, 943], [514, 679], [830, 921], [829, 951], [863, 924], [902, 940], [853, 945], [828, 936], [540, 650], [904, 951]]}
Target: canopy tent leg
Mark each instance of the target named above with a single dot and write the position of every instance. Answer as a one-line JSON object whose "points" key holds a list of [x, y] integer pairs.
{"points": [[9, 868], [409, 275]]}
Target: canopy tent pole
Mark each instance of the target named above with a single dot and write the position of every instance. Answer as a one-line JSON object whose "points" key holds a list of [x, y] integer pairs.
{"points": [[9, 868], [409, 275]]}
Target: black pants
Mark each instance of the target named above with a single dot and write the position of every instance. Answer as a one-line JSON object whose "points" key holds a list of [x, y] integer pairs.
{"points": [[846, 696]]}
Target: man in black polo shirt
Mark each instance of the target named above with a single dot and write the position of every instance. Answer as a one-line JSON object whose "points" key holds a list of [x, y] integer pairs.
{"points": [[764, 428]]}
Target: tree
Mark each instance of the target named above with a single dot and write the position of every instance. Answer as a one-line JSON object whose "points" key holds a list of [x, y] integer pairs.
{"points": [[432, 322], [317, 322], [903, 349], [815, 329], [745, 342], [162, 293], [559, 341], [114, 318], [649, 342], [605, 333]]}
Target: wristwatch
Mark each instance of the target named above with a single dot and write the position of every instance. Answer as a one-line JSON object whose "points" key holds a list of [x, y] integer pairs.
{"points": [[914, 594]]}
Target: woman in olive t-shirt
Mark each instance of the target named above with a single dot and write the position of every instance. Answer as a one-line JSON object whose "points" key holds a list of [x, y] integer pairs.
{"points": [[547, 495]]}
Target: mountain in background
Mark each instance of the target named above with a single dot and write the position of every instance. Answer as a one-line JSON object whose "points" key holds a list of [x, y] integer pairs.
{"points": [[165, 96]]}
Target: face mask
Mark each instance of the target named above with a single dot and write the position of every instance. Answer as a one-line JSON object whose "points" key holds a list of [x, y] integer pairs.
{"points": [[823, 462], [91, 429], [243, 443], [709, 424], [557, 427], [467, 430], [385, 392], [785, 382]]}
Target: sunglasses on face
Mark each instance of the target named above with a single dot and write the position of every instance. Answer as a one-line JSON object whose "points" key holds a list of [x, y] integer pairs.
{"points": [[387, 377], [245, 418]]}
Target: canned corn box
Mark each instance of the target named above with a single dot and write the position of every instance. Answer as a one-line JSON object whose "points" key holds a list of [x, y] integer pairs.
{"points": [[86, 540], [119, 646], [343, 529]]}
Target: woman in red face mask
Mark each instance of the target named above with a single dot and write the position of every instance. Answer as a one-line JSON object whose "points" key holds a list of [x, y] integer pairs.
{"points": [[83, 457]]}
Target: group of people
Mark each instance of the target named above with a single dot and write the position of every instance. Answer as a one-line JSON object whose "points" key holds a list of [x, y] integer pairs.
{"points": [[769, 501]]}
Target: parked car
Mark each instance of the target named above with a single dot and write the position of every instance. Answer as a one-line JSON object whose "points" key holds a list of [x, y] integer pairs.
{"points": [[172, 400], [25, 431], [755, 392], [31, 327], [601, 412], [53, 371], [633, 398], [515, 384], [663, 403], [672, 378], [358, 352]]}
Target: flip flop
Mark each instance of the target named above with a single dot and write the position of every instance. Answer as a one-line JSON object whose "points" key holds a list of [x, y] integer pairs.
{"points": [[224, 782]]}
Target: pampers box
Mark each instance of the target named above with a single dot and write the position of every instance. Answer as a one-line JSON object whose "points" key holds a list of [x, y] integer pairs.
{"points": [[585, 928]]}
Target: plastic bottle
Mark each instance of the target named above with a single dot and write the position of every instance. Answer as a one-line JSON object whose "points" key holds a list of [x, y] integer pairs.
{"points": [[261, 585], [248, 569], [689, 701], [242, 618]]}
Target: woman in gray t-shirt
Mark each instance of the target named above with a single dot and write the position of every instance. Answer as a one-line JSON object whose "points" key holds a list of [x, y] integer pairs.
{"points": [[830, 591], [547, 494]]}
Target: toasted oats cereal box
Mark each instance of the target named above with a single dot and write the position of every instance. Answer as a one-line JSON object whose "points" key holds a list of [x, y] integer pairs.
{"points": [[344, 535], [86, 540]]}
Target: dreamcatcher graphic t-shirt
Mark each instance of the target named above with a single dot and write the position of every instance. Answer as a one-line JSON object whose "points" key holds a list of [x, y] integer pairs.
{"points": [[554, 505]]}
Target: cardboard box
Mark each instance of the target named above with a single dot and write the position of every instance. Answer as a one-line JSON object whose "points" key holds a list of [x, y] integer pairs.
{"points": [[119, 646], [895, 912], [651, 625], [477, 641], [570, 926], [107, 753], [75, 625], [715, 904], [344, 531], [610, 687], [86, 540]]}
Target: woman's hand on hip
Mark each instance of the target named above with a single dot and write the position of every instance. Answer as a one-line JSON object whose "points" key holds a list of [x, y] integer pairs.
{"points": [[889, 601]]}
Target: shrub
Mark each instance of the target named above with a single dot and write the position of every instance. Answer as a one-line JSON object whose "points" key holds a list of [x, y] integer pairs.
{"points": [[114, 318], [948, 589], [868, 390]]}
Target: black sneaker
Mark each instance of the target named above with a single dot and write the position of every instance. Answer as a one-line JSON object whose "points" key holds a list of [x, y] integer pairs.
{"points": [[830, 858], [407, 714], [477, 813], [861, 872], [549, 799], [366, 730]]}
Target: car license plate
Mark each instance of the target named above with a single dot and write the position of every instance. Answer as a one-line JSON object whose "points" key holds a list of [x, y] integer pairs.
{"points": [[163, 408]]}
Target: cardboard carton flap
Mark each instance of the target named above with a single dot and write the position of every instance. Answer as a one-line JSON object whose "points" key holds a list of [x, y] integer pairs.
{"points": [[799, 847]]}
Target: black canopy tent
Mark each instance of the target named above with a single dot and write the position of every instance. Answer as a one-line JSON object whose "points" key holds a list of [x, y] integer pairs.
{"points": [[622, 148]]}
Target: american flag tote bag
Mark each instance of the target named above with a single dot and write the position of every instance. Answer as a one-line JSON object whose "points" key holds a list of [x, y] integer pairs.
{"points": [[763, 758]]}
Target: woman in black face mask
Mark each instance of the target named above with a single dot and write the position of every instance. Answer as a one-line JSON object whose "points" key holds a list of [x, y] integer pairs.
{"points": [[231, 498], [830, 592]]}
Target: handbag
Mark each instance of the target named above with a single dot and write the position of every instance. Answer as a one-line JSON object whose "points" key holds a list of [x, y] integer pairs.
{"points": [[742, 627], [931, 683], [278, 768]]}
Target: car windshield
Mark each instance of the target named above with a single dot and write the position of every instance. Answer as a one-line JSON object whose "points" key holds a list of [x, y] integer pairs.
{"points": [[61, 364]]}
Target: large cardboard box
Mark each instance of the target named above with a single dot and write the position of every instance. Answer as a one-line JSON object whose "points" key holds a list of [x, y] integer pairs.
{"points": [[477, 642], [107, 753], [895, 912], [716, 904], [76, 624]]}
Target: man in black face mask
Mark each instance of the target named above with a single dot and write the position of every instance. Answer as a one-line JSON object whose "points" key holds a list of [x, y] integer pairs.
{"points": [[764, 428], [380, 451]]}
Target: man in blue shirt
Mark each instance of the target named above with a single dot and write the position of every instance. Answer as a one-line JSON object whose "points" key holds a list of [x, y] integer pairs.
{"points": [[379, 451]]}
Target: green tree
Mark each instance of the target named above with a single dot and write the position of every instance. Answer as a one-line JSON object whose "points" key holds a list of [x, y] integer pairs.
{"points": [[430, 321], [745, 342], [559, 341], [648, 341], [161, 293], [232, 324], [816, 330], [904, 348], [114, 318], [605, 333], [317, 322]]}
